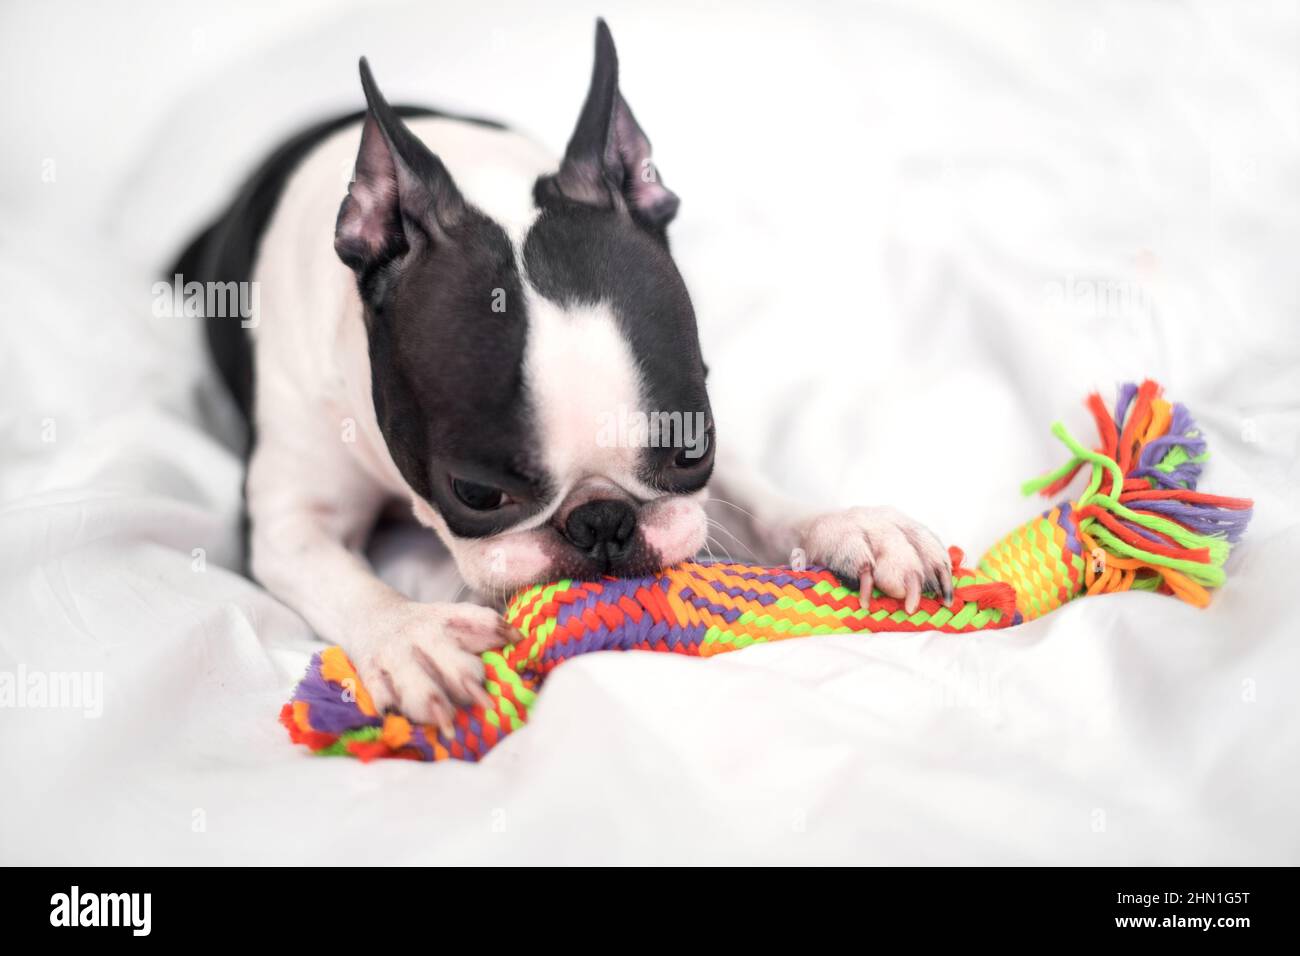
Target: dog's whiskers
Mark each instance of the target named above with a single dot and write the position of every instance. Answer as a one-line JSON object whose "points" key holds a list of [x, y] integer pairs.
{"points": [[732, 504], [723, 528], [721, 547]]}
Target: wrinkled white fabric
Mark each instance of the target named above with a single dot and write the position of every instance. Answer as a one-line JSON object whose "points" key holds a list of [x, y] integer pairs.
{"points": [[915, 234]]}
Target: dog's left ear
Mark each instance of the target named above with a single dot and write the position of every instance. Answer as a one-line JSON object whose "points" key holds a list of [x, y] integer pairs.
{"points": [[607, 162]]}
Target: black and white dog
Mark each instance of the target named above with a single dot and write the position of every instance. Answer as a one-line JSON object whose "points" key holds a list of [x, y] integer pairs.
{"points": [[450, 339]]}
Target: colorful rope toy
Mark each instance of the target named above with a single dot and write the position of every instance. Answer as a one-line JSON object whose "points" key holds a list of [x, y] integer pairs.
{"points": [[1139, 525]]}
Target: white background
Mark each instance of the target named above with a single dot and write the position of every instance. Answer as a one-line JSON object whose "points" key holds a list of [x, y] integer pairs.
{"points": [[893, 215]]}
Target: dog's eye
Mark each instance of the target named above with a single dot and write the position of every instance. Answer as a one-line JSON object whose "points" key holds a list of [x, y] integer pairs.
{"points": [[476, 496], [689, 457]]}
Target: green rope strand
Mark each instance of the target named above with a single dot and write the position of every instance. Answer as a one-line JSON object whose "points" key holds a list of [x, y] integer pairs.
{"points": [[1218, 548]]}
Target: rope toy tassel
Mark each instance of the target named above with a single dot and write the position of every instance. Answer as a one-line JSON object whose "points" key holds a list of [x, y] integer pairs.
{"points": [[1139, 524]]}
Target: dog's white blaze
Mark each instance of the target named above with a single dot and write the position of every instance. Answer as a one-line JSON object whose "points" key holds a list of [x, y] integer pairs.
{"points": [[580, 371]]}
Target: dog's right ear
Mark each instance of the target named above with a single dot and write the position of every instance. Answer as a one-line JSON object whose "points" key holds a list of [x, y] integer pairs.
{"points": [[401, 194]]}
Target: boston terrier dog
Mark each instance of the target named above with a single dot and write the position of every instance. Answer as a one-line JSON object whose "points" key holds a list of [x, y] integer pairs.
{"points": [[454, 338]]}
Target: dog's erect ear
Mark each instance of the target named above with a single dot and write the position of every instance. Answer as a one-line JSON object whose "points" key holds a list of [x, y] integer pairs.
{"points": [[607, 162], [399, 190]]}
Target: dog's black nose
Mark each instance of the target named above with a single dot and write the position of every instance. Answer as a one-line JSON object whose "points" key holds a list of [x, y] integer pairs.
{"points": [[602, 529]]}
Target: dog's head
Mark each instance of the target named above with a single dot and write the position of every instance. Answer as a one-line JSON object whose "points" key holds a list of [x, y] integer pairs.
{"points": [[542, 395]]}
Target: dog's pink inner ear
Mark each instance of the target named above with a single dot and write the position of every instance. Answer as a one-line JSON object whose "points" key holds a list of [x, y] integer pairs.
{"points": [[631, 150], [607, 162], [369, 227], [400, 191]]}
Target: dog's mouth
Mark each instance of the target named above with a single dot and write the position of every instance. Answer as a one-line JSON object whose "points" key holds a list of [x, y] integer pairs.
{"points": [[591, 545], [634, 559]]}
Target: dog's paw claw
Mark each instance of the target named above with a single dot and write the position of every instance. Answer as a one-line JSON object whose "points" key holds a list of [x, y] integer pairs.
{"points": [[422, 660], [880, 548]]}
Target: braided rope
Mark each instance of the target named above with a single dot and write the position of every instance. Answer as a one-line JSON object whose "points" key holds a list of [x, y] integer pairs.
{"points": [[1139, 524], [694, 608]]}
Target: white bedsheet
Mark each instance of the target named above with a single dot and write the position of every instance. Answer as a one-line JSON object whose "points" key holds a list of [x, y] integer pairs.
{"points": [[916, 235]]}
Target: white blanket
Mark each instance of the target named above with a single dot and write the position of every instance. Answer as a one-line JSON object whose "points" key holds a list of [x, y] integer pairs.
{"points": [[915, 235]]}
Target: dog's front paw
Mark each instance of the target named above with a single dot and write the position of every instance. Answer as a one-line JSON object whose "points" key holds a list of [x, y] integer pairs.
{"points": [[879, 547], [423, 659]]}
